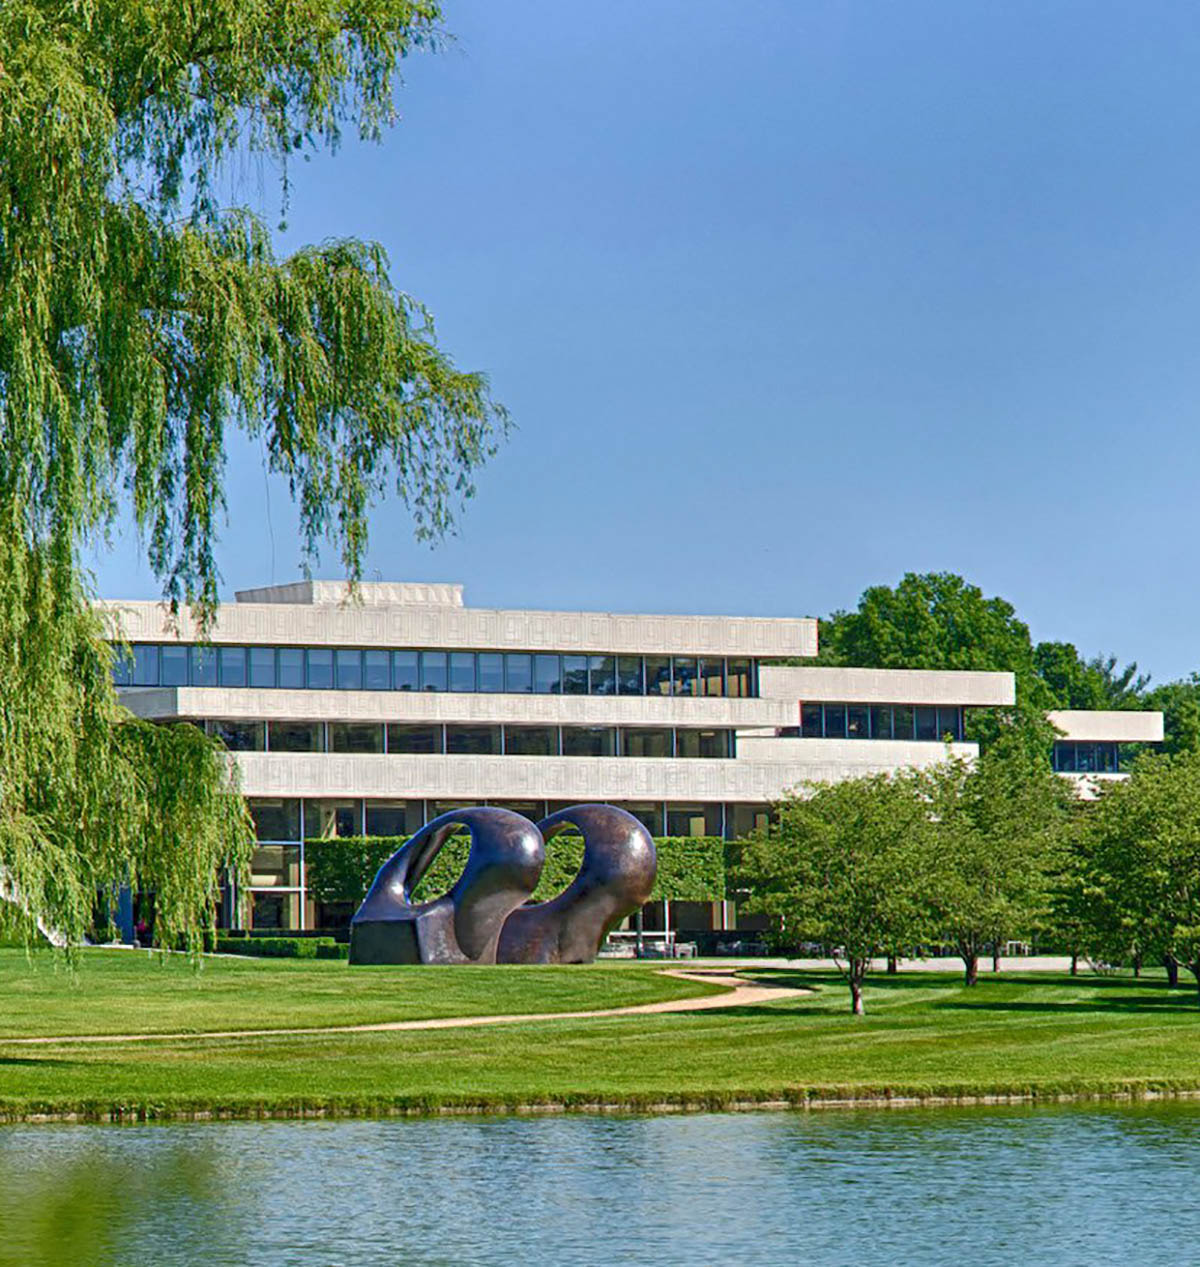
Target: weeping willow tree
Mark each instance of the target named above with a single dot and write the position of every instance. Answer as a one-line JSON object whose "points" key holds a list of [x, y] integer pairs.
{"points": [[141, 320]]}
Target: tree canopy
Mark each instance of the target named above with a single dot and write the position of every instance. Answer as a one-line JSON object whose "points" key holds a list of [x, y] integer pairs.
{"points": [[141, 322]]}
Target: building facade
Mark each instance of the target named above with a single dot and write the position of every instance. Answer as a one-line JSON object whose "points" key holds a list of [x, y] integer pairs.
{"points": [[371, 713]]}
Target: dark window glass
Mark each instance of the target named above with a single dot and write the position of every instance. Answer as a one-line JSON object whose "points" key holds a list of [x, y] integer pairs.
{"points": [[355, 737], [648, 813], [531, 741], [740, 679], [1106, 758], [276, 820], [291, 668], [658, 675], [602, 675], [295, 736], [262, 666], [232, 661], [202, 663], [589, 741], [433, 671], [629, 675], [1064, 758], [319, 674], [347, 668], [240, 736], [376, 670], [279, 867], [145, 664], [405, 673], [391, 818], [693, 820], [173, 666], [902, 721], [810, 721], [949, 723], [122, 667], [575, 675], [462, 671], [646, 741], [547, 674], [1085, 758], [491, 671], [701, 743], [881, 721], [712, 677], [473, 740], [414, 739], [835, 721], [684, 679], [857, 721], [927, 727], [518, 673], [325, 819]]}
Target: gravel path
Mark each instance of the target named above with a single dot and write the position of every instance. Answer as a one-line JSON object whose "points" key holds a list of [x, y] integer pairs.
{"points": [[739, 993]]}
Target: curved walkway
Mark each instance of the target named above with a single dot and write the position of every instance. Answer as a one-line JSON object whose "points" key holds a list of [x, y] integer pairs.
{"points": [[739, 993]]}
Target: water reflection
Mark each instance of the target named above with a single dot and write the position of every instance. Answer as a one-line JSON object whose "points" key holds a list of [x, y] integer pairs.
{"points": [[979, 1186]]}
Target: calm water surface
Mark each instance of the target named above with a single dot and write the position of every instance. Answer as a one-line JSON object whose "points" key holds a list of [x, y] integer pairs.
{"points": [[1047, 1186]]}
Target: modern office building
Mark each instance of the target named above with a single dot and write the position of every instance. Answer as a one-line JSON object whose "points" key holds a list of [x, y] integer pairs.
{"points": [[369, 714]]}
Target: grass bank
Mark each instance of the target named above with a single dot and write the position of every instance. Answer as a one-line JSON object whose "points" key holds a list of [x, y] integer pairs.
{"points": [[925, 1038]]}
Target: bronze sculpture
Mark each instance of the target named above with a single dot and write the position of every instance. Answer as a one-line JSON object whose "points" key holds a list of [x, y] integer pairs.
{"points": [[482, 919]]}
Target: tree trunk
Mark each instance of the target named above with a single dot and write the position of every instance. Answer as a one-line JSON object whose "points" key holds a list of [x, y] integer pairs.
{"points": [[856, 999], [971, 963], [995, 959], [1172, 966], [1137, 966], [892, 966], [1074, 965]]}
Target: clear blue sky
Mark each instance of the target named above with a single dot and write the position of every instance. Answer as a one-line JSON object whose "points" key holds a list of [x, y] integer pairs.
{"points": [[788, 297]]}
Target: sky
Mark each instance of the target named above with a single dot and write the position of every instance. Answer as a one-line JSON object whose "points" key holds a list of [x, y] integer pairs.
{"points": [[787, 298]]}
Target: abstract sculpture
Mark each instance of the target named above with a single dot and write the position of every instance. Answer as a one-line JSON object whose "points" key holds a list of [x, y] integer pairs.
{"points": [[481, 919]]}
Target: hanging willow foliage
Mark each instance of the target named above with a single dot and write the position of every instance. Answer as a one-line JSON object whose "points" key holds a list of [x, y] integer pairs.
{"points": [[140, 321]]}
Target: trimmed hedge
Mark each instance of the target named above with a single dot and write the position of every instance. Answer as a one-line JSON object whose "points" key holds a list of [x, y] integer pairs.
{"points": [[690, 868], [280, 947]]}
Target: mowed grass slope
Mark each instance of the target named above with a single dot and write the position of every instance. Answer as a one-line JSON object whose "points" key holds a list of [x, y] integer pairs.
{"points": [[140, 992], [924, 1035]]}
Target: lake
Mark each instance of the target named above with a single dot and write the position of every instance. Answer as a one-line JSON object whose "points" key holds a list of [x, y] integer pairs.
{"points": [[975, 1186]]}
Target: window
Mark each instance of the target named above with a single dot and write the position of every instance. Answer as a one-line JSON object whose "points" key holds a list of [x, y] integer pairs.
{"points": [[414, 739], [239, 736], [547, 675], [835, 721], [647, 741], [629, 675], [324, 819], [602, 675], [811, 726], [857, 721], [473, 740], [275, 866], [291, 668], [712, 677], [881, 721], [434, 676], [347, 668], [462, 671], [320, 669], [701, 743], [276, 819], [405, 672], [295, 736], [145, 664], [949, 723], [376, 670], [683, 679], [589, 741], [518, 673], [531, 741], [658, 675], [232, 662], [173, 666], [351, 737], [491, 671], [648, 813], [202, 663], [740, 679], [393, 818], [902, 721], [927, 728], [574, 675], [262, 666], [693, 820]]}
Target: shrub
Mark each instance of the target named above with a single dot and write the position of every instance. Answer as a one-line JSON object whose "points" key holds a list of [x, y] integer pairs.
{"points": [[276, 947]]}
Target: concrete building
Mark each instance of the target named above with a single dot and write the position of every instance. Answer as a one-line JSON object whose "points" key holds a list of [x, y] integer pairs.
{"points": [[369, 715]]}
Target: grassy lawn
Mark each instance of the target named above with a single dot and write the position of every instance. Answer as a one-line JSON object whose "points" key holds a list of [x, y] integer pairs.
{"points": [[136, 992], [923, 1035]]}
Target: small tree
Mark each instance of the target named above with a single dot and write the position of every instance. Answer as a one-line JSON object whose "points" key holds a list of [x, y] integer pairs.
{"points": [[844, 865], [998, 825]]}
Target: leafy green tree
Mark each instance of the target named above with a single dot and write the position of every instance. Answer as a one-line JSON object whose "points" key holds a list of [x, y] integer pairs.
{"points": [[1179, 703], [140, 322], [998, 827], [1090, 684], [845, 865]]}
